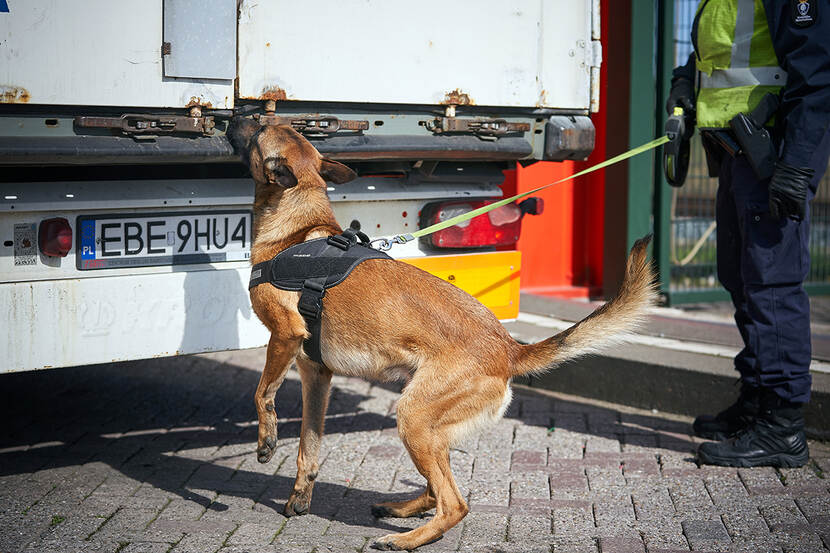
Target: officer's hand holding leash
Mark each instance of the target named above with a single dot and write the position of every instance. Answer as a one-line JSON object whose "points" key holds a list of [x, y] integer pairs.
{"points": [[679, 128], [682, 94]]}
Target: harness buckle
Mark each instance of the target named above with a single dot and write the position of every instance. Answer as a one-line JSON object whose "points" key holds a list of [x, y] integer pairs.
{"points": [[340, 241], [314, 285], [311, 299], [349, 238], [355, 236]]}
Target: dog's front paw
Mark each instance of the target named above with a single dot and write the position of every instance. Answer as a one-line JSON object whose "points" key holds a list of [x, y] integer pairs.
{"points": [[266, 449], [386, 543]]}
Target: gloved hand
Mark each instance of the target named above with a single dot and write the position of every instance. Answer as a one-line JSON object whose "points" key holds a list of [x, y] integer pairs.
{"points": [[682, 94], [788, 191]]}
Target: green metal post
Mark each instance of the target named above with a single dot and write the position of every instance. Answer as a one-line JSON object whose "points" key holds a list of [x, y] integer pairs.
{"points": [[663, 192], [641, 112]]}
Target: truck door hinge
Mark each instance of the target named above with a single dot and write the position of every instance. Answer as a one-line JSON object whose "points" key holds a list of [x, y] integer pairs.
{"points": [[488, 129], [316, 126], [145, 124], [595, 63]]}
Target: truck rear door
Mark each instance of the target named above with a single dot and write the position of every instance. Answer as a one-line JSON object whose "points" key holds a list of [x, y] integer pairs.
{"points": [[522, 53]]}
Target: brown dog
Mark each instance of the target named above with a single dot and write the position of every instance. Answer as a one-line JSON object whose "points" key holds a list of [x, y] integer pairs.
{"points": [[457, 375]]}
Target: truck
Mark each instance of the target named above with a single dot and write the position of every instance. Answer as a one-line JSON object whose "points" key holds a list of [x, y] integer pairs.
{"points": [[125, 214]]}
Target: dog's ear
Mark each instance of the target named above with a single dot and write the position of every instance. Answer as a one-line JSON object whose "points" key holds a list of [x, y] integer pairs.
{"points": [[336, 172], [240, 131], [279, 173]]}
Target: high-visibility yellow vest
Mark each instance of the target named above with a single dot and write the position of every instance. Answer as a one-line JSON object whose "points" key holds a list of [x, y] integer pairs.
{"points": [[735, 60]]}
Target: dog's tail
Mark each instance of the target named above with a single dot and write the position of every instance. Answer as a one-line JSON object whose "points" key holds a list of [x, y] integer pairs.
{"points": [[606, 326]]}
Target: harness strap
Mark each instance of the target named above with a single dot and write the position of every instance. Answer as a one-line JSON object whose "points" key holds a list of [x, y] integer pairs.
{"points": [[310, 307], [310, 268]]}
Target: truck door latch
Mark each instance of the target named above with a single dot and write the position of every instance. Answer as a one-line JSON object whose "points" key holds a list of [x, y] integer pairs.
{"points": [[487, 129], [146, 124], [315, 126]]}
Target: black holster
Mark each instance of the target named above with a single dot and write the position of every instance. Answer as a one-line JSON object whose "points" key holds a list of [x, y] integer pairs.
{"points": [[746, 135], [755, 140]]}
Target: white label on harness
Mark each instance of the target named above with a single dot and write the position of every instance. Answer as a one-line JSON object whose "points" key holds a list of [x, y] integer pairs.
{"points": [[256, 274]]}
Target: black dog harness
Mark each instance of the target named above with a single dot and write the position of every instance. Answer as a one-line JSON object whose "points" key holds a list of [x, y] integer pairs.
{"points": [[311, 268]]}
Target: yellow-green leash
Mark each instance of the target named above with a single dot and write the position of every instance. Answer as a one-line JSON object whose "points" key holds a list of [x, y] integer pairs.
{"points": [[385, 244]]}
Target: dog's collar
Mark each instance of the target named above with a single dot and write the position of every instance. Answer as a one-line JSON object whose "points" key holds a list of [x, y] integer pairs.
{"points": [[255, 142], [256, 134]]}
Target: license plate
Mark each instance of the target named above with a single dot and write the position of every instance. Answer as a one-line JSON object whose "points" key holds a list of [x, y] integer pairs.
{"points": [[141, 240]]}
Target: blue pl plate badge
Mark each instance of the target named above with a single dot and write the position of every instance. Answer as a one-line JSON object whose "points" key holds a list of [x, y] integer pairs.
{"points": [[87, 238]]}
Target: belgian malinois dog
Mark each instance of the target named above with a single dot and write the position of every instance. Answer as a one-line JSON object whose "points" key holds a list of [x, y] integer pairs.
{"points": [[455, 356]]}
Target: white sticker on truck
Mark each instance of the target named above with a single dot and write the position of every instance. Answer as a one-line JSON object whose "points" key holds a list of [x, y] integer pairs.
{"points": [[25, 244]]}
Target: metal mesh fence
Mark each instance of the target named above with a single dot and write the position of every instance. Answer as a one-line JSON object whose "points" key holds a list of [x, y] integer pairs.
{"points": [[693, 229]]}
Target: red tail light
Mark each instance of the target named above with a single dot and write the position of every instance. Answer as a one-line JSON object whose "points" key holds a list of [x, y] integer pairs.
{"points": [[500, 227], [55, 237]]}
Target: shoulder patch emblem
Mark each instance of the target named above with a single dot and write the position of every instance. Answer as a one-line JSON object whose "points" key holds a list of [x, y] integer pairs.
{"points": [[803, 12]]}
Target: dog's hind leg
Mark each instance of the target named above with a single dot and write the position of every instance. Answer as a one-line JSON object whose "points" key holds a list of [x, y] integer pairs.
{"points": [[281, 352], [407, 508], [429, 448], [316, 381]]}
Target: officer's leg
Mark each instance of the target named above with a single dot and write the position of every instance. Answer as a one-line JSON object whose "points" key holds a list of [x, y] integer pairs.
{"points": [[774, 263], [780, 303], [729, 243], [782, 315]]}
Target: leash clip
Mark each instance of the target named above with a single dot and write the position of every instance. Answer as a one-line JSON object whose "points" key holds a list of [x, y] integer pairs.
{"points": [[385, 244]]}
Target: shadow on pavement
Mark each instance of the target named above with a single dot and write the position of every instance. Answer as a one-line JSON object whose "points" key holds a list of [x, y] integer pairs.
{"points": [[135, 416]]}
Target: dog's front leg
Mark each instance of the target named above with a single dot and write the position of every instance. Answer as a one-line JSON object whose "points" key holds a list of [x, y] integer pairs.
{"points": [[316, 381], [281, 352]]}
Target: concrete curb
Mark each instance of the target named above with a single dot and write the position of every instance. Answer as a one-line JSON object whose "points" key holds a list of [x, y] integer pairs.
{"points": [[686, 382]]}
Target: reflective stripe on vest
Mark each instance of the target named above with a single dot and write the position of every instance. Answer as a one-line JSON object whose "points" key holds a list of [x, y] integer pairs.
{"points": [[736, 61], [743, 76]]}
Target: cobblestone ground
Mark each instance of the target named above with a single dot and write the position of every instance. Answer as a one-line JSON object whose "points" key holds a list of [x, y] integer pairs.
{"points": [[158, 456]]}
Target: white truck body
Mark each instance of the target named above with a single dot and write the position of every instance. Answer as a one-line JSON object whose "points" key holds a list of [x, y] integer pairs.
{"points": [[521, 53], [100, 53], [390, 63]]}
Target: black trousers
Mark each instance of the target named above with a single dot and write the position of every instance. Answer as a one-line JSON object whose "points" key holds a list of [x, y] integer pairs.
{"points": [[763, 263]]}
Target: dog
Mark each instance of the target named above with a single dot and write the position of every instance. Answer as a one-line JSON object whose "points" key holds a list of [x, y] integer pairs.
{"points": [[455, 356]]}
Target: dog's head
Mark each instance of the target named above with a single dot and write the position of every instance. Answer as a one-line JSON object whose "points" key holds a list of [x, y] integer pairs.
{"points": [[280, 156]]}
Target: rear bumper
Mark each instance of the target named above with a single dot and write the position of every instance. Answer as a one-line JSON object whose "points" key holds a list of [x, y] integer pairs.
{"points": [[61, 323], [68, 322]]}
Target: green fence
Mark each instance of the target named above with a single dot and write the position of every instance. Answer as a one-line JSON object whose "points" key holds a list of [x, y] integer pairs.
{"points": [[690, 212]]}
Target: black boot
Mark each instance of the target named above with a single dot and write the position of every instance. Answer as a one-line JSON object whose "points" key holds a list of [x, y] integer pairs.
{"points": [[776, 439], [738, 416]]}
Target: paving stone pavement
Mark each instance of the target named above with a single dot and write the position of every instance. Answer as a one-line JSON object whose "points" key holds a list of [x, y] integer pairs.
{"points": [[158, 456]]}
